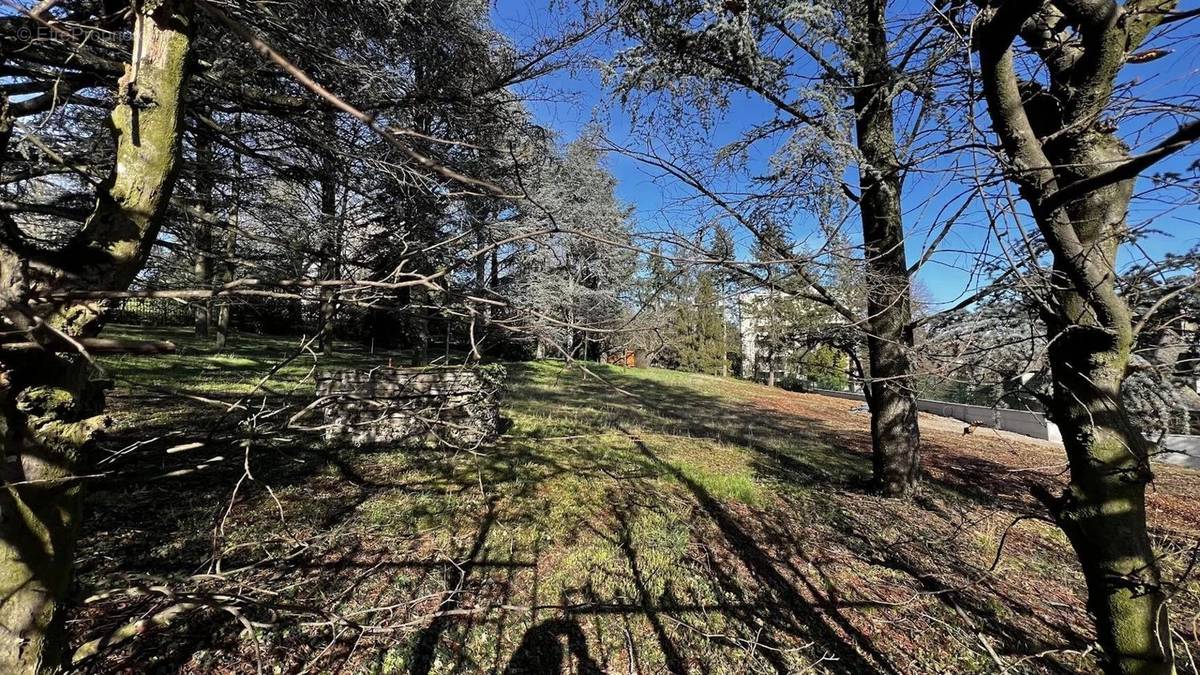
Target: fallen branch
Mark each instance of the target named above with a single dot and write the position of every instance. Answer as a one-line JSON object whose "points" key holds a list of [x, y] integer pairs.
{"points": [[93, 346]]}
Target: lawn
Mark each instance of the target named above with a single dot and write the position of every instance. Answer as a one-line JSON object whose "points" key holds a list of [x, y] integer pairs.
{"points": [[632, 521]]}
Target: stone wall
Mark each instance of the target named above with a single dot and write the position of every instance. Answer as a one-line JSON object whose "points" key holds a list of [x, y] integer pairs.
{"points": [[456, 407]]}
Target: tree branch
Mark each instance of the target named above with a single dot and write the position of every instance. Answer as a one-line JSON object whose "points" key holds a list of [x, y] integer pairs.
{"points": [[1183, 137]]}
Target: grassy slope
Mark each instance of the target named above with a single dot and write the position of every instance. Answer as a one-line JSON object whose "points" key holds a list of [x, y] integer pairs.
{"points": [[630, 521]]}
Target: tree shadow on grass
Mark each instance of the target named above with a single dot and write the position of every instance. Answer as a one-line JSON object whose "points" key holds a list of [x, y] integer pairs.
{"points": [[426, 644], [163, 529], [804, 618], [830, 459]]}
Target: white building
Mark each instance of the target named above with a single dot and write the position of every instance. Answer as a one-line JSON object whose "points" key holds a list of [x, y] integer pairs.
{"points": [[769, 319]]}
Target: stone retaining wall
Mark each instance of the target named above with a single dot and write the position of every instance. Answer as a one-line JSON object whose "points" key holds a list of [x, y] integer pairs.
{"points": [[457, 407]]}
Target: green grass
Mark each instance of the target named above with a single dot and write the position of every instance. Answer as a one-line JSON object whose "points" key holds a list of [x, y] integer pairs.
{"points": [[199, 368], [736, 485], [592, 492], [673, 521]]}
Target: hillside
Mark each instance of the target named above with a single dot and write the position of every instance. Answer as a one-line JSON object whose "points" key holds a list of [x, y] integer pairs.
{"points": [[629, 521]]}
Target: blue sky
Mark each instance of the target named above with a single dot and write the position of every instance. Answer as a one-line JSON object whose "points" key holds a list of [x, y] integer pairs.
{"points": [[567, 101]]}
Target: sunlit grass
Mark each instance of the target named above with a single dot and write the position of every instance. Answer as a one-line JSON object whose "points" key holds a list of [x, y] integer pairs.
{"points": [[651, 501]]}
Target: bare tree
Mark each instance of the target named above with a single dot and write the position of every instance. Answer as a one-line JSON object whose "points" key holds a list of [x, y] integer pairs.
{"points": [[808, 64], [1077, 176]]}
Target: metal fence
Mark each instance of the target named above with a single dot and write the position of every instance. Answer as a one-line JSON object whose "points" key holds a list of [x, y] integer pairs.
{"points": [[263, 316], [152, 312]]}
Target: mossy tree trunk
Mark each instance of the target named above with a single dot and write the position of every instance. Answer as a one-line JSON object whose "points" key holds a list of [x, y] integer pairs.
{"points": [[51, 406], [1056, 140], [891, 396], [1103, 509], [51, 412]]}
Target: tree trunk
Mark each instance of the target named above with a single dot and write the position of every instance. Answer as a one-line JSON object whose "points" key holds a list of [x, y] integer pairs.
{"points": [[895, 437], [202, 272], [228, 272], [419, 327], [51, 407], [724, 345], [479, 222], [1103, 510], [229, 266], [51, 414], [202, 275], [330, 242], [1057, 137]]}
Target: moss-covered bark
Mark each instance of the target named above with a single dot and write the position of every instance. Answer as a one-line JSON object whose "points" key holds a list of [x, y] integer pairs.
{"points": [[1103, 510], [1054, 136], [51, 407], [51, 413]]}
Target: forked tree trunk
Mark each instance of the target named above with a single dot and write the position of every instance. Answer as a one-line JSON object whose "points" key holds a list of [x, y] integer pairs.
{"points": [[1055, 137], [895, 437], [51, 407]]}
